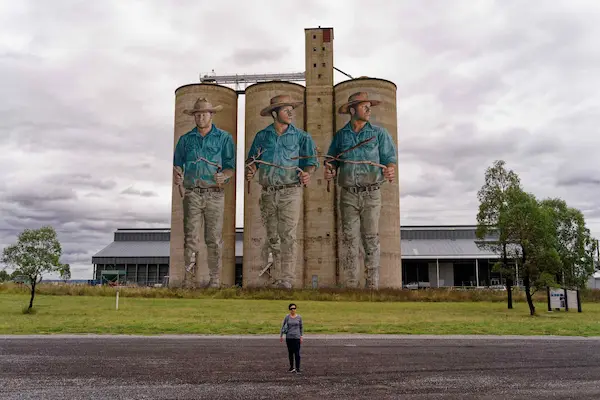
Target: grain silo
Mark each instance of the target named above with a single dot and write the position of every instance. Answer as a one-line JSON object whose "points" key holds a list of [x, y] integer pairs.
{"points": [[385, 115], [320, 252], [256, 260], [226, 119]]}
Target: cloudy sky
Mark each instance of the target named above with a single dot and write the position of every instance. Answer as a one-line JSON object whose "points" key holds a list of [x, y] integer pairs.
{"points": [[87, 95]]}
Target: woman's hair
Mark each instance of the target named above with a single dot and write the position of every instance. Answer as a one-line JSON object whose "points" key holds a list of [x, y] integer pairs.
{"points": [[290, 306]]}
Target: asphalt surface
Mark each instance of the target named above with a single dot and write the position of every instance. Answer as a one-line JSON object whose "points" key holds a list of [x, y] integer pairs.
{"points": [[344, 367]]}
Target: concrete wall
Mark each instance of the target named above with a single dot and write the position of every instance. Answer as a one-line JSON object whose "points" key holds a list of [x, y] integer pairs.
{"points": [[185, 97]]}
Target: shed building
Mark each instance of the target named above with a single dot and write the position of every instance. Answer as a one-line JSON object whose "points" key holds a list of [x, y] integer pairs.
{"points": [[433, 256], [143, 255]]}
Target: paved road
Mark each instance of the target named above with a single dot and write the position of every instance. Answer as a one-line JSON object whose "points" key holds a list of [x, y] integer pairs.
{"points": [[345, 367]]}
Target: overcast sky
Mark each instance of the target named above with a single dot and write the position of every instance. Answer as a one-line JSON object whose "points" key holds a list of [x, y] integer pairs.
{"points": [[87, 98]]}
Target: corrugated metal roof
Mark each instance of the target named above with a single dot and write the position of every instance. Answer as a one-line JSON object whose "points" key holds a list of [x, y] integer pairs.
{"points": [[411, 249], [135, 249], [461, 248]]}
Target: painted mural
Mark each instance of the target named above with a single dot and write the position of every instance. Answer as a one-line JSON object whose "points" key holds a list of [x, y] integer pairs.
{"points": [[284, 158], [361, 158], [203, 163]]}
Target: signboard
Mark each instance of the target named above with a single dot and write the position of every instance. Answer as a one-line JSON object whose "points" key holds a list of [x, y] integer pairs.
{"points": [[572, 300], [563, 299]]}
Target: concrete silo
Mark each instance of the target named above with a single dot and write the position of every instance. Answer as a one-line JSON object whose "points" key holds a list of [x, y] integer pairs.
{"points": [[319, 204], [255, 271], [384, 115], [185, 97]]}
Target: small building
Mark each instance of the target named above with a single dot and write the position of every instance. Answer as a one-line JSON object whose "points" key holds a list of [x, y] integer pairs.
{"points": [[445, 256], [136, 256]]}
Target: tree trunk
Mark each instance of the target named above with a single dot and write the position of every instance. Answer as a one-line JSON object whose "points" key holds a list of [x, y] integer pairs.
{"points": [[33, 282], [509, 292], [527, 284], [528, 295], [508, 279]]}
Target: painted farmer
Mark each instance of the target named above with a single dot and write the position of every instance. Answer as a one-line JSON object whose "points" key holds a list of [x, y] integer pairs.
{"points": [[291, 154], [360, 194], [203, 162]]}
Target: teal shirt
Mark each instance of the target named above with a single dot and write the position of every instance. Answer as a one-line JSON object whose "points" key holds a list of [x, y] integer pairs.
{"points": [[380, 150], [279, 150], [217, 146]]}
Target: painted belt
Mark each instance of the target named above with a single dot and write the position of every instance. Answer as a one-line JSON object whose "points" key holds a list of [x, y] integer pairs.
{"points": [[205, 190], [358, 189], [271, 189]]}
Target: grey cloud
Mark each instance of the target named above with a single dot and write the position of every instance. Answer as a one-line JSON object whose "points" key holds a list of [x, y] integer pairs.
{"points": [[425, 185], [461, 94], [575, 176], [579, 180], [537, 146], [41, 196], [137, 192], [82, 180], [257, 55], [421, 189], [459, 144]]}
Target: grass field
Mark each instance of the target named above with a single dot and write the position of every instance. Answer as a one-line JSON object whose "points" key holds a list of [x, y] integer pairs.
{"points": [[97, 314]]}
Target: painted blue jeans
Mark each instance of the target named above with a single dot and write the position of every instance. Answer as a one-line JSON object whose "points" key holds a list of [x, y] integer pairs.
{"points": [[280, 212], [204, 211], [360, 221]]}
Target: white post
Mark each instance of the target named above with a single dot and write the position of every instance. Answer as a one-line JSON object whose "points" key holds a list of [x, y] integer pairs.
{"points": [[117, 307], [437, 268], [517, 272], [477, 271]]}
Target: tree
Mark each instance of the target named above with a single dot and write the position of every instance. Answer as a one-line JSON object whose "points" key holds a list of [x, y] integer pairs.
{"points": [[4, 276], [574, 243], [492, 204], [35, 253], [530, 227], [65, 272]]}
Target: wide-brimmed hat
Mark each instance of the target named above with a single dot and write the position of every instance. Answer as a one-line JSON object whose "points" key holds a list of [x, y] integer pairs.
{"points": [[203, 105], [356, 98], [280, 101]]}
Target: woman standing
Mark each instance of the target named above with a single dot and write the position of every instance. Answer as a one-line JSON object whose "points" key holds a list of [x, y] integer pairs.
{"points": [[292, 327]]}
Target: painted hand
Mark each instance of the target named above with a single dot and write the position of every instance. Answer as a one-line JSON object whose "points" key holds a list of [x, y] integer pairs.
{"points": [[177, 177], [389, 173], [329, 172], [304, 178], [219, 178], [250, 171]]}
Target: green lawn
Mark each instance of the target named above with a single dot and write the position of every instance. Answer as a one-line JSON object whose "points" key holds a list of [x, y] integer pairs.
{"points": [[93, 314]]}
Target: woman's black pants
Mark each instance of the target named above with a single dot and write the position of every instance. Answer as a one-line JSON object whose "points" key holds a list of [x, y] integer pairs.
{"points": [[293, 346]]}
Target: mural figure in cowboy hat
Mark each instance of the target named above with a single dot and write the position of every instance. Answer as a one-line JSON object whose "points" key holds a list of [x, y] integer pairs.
{"points": [[360, 197], [203, 162], [281, 194]]}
